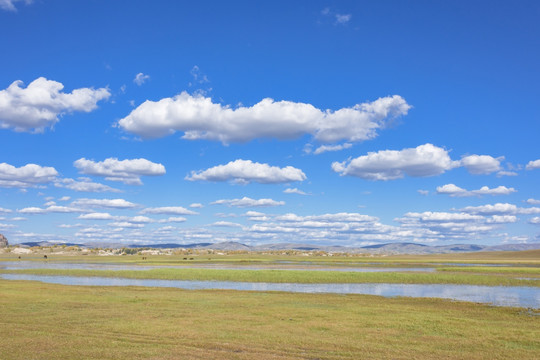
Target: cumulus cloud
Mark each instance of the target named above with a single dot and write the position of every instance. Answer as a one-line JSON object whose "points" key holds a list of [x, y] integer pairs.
{"points": [[226, 224], [533, 201], [481, 164], [248, 202], [424, 160], [51, 209], [246, 171], [325, 148], [533, 165], [294, 191], [42, 102], [456, 191], [175, 219], [423, 192], [141, 78], [29, 175], [535, 220], [125, 224], [9, 5], [196, 205], [84, 184], [500, 209], [105, 203], [198, 117], [126, 171], [429, 216], [5, 211], [169, 210], [96, 216], [502, 219]]}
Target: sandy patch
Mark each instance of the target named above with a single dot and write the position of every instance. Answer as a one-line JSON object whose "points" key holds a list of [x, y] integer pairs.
{"points": [[19, 250]]}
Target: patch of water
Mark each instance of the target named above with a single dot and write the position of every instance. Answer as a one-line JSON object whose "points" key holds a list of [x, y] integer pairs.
{"points": [[519, 296]]}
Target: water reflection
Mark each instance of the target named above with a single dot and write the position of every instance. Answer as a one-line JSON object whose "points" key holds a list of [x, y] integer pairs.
{"points": [[520, 296]]}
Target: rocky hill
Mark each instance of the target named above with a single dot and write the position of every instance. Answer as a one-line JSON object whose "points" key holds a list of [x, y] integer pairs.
{"points": [[3, 241]]}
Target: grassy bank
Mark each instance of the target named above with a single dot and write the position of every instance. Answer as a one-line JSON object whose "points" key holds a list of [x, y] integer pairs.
{"points": [[53, 322], [292, 276], [514, 258]]}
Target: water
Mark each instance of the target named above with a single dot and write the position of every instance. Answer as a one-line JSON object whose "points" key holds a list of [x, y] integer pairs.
{"points": [[21, 265], [519, 296]]}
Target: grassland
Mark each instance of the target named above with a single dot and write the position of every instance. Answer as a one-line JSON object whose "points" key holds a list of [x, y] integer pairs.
{"points": [[47, 321]]}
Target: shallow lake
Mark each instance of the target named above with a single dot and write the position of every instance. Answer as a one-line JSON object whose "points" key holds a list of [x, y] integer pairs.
{"points": [[520, 296]]}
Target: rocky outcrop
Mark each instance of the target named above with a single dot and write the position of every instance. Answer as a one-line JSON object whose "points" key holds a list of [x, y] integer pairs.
{"points": [[3, 241]]}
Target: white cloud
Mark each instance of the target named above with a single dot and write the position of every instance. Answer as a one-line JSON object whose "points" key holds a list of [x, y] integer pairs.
{"points": [[127, 171], [506, 173], [125, 224], [533, 165], [5, 211], [96, 216], [29, 175], [294, 191], [196, 205], [42, 102], [9, 5], [246, 171], [423, 192], [200, 118], [226, 224], [500, 209], [337, 217], [481, 164], [198, 76], [533, 201], [343, 18], [105, 203], [64, 198], [325, 148], [489, 209], [429, 216], [456, 191], [535, 220], [138, 219], [84, 184], [424, 160], [499, 190], [50, 209], [169, 210], [248, 202], [501, 219], [141, 78], [452, 190], [176, 219]]}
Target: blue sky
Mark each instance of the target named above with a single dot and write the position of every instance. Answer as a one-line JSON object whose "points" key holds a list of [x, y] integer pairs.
{"points": [[342, 123]]}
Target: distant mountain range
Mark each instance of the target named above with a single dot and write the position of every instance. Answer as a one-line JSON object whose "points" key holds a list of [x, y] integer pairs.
{"points": [[391, 248]]}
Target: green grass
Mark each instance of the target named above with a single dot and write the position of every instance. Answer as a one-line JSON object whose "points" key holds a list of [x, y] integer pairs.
{"points": [[55, 322], [291, 276], [535, 271]]}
